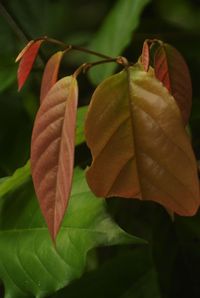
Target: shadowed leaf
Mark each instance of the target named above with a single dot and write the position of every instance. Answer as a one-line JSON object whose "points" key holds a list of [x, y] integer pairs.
{"points": [[50, 75], [27, 57], [139, 145], [52, 150], [172, 71]]}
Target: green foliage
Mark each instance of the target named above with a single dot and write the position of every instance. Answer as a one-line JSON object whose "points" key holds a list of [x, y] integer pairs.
{"points": [[30, 264], [115, 34]]}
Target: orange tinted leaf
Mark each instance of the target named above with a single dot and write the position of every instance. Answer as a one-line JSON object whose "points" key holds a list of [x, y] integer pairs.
{"points": [[24, 50], [139, 145], [172, 71], [52, 150], [145, 57], [50, 75], [27, 57]]}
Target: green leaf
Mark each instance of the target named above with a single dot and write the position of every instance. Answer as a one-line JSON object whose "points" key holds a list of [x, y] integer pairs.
{"points": [[146, 286], [130, 274], [29, 263], [188, 269], [177, 12], [11, 183], [7, 76], [81, 114], [115, 34]]}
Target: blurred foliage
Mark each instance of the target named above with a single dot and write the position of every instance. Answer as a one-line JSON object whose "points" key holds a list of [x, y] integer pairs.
{"points": [[170, 267]]}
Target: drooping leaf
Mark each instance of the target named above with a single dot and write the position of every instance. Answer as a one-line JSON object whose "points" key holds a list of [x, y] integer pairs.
{"points": [[50, 75], [27, 57], [30, 266], [115, 34], [52, 150], [139, 145], [172, 71], [22, 175]]}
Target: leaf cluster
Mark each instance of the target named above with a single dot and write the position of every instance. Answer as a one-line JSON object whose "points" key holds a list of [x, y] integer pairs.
{"points": [[139, 129]]}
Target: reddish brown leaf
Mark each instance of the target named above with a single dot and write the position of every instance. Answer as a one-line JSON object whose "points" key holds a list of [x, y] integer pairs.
{"points": [[172, 71], [20, 55], [145, 57], [50, 75], [139, 145], [52, 150], [27, 57]]}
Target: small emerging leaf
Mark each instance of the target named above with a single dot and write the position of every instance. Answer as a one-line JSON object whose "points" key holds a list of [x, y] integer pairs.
{"points": [[23, 51], [145, 57], [27, 57], [172, 71], [52, 150], [50, 75], [139, 145]]}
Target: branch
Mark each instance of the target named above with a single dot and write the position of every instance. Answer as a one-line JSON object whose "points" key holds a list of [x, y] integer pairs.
{"points": [[15, 26]]}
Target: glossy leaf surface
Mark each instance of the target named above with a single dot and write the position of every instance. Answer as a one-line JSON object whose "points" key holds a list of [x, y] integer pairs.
{"points": [[172, 71], [27, 57], [50, 75], [115, 34], [139, 145], [52, 150], [30, 266]]}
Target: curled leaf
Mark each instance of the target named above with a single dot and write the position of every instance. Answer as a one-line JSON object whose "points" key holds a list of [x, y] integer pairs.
{"points": [[27, 57], [52, 150], [171, 69], [139, 145], [50, 75]]}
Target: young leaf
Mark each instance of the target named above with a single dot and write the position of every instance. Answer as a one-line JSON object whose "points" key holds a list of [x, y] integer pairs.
{"points": [[23, 174], [115, 34], [145, 57], [172, 71], [50, 75], [52, 150], [27, 57], [139, 145]]}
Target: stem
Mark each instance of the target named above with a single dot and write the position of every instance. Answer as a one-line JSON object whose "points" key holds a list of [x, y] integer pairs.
{"points": [[13, 24], [62, 44], [86, 66], [17, 28]]}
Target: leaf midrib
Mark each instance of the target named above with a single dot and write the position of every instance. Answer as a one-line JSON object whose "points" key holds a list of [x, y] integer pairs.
{"points": [[132, 126]]}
